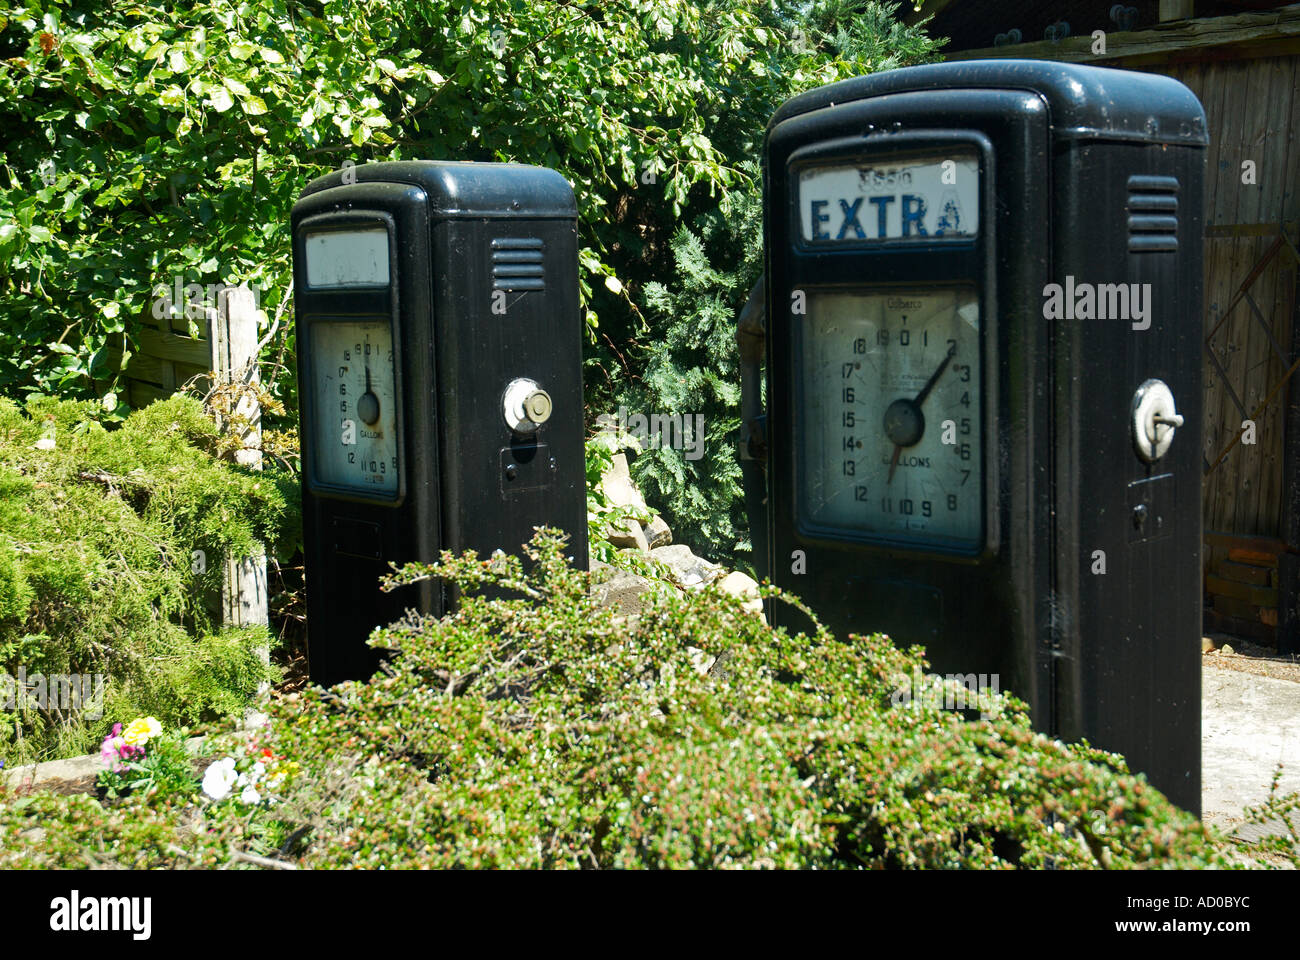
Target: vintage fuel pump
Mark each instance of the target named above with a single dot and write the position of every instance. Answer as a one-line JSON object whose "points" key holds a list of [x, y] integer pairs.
{"points": [[439, 358], [983, 424]]}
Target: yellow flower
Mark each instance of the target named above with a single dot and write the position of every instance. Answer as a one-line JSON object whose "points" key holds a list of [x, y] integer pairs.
{"points": [[141, 731]]}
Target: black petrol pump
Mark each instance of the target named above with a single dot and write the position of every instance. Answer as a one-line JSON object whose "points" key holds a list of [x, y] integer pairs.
{"points": [[439, 358], [983, 428]]}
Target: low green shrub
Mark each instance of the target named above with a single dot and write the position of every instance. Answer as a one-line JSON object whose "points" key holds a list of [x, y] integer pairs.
{"points": [[543, 731], [111, 550], [533, 729]]}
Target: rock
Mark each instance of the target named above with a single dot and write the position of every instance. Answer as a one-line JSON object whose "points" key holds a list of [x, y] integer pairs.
{"points": [[686, 568], [622, 591], [1207, 645], [627, 535], [719, 669], [618, 487], [746, 588], [657, 533], [1227, 650], [701, 661]]}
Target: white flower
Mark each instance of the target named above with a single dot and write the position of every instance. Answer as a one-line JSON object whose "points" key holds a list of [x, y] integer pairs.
{"points": [[219, 779], [250, 796]]}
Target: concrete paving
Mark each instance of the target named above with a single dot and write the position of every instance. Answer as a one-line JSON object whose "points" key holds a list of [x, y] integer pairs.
{"points": [[1249, 724]]}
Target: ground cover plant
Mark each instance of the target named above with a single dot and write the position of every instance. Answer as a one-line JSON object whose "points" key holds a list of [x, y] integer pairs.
{"points": [[111, 548], [534, 730]]}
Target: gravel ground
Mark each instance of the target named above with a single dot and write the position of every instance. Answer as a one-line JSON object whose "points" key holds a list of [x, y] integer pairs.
{"points": [[1233, 653]]}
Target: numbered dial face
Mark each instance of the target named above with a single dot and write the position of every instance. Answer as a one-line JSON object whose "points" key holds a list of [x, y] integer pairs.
{"points": [[356, 407], [890, 420]]}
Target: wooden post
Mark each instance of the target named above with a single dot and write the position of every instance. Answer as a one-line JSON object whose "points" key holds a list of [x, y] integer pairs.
{"points": [[233, 327]]}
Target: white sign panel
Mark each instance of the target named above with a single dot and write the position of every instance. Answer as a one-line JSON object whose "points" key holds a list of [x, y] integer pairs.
{"points": [[347, 258], [934, 197]]}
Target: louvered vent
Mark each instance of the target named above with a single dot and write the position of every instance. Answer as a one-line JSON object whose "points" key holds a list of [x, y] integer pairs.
{"points": [[517, 263], [1152, 214]]}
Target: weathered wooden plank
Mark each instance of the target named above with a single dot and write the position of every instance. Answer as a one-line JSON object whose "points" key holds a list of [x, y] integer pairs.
{"points": [[196, 377], [1252, 556], [1250, 229], [1237, 572], [1231, 348], [1269, 546], [1216, 622], [141, 367], [169, 346], [1258, 596], [1269, 117], [1236, 488], [1267, 369], [1244, 610]]}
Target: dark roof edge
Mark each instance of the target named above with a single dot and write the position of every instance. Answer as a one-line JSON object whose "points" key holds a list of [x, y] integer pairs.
{"points": [[468, 189], [1084, 101]]}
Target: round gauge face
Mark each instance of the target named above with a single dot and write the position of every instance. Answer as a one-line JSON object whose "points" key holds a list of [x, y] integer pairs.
{"points": [[355, 407], [890, 426]]}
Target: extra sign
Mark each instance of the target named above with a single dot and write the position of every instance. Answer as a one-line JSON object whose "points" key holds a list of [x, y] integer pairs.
{"points": [[914, 198]]}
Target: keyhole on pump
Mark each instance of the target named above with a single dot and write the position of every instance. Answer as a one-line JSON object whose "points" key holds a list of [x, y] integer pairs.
{"points": [[368, 404]]}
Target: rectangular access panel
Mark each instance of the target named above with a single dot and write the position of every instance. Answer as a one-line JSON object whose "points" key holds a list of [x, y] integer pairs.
{"points": [[440, 380], [984, 385]]}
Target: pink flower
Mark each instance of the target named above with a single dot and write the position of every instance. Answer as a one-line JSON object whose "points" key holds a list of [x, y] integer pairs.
{"points": [[111, 752]]}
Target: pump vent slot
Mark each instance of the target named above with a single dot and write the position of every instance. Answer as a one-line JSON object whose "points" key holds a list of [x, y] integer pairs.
{"points": [[518, 263], [1152, 214]]}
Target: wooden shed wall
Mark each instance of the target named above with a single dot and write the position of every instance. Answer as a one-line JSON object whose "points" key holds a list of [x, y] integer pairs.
{"points": [[1251, 106]]}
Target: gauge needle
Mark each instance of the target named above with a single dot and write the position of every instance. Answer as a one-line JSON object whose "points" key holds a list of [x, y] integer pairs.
{"points": [[915, 410], [929, 384], [898, 448]]}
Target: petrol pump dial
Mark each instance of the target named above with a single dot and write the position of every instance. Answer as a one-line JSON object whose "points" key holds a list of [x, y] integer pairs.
{"points": [[891, 432], [356, 406]]}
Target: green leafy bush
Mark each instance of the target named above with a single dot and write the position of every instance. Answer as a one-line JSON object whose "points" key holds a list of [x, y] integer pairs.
{"points": [[152, 141], [99, 573], [693, 371]]}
